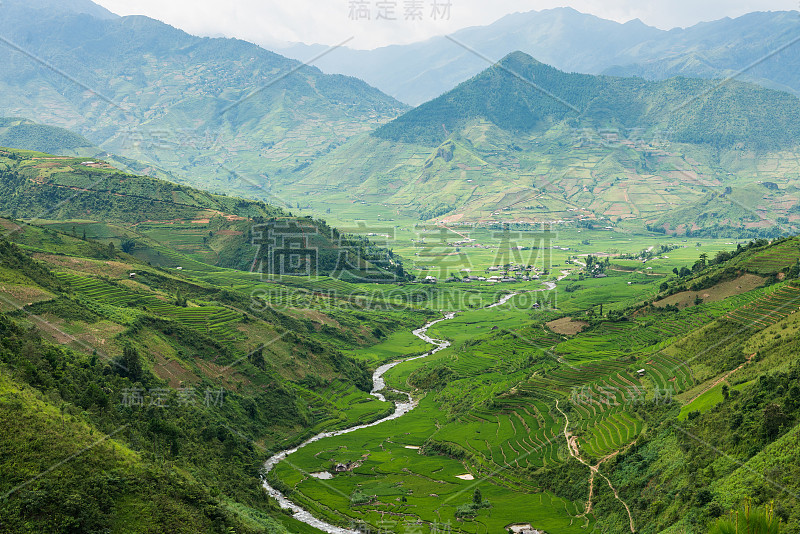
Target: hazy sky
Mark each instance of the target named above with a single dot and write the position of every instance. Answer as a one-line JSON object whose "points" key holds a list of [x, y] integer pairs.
{"points": [[331, 21]]}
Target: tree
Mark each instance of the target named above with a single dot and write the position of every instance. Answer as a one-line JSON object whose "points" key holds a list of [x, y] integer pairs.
{"points": [[131, 363], [703, 258], [127, 245], [257, 358], [477, 498], [774, 419], [725, 391]]}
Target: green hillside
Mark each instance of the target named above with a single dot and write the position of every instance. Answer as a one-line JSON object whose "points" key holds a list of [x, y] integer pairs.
{"points": [[152, 219], [505, 404], [525, 142], [225, 114], [25, 134], [520, 94], [682, 411], [168, 388]]}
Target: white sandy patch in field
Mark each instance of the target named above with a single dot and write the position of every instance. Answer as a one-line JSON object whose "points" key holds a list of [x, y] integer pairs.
{"points": [[466, 476]]}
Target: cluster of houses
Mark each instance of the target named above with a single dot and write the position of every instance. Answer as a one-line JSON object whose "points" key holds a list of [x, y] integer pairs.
{"points": [[492, 279], [505, 274], [523, 528]]}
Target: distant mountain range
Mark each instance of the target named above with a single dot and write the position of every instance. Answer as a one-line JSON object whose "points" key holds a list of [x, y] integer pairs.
{"points": [[523, 141], [578, 42], [225, 113]]}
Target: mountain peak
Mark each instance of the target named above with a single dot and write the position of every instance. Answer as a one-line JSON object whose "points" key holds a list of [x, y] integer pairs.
{"points": [[59, 7]]}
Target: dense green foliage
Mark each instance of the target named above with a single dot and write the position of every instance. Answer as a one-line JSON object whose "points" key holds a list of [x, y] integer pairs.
{"points": [[519, 94]]}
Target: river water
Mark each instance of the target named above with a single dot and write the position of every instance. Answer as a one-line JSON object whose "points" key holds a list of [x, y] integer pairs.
{"points": [[378, 385]]}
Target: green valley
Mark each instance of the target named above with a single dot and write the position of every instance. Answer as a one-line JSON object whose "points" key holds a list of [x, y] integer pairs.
{"points": [[242, 296]]}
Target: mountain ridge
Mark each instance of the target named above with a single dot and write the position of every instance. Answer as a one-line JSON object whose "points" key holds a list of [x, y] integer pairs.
{"points": [[571, 41]]}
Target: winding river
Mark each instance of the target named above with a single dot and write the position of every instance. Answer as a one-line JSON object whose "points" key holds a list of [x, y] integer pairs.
{"points": [[401, 408]]}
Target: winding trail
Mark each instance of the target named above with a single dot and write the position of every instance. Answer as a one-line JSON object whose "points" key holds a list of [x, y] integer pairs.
{"points": [[594, 470], [378, 385]]}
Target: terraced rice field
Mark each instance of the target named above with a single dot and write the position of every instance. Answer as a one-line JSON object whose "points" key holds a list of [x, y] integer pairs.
{"points": [[216, 321], [668, 374], [522, 433], [773, 260], [768, 309], [352, 406]]}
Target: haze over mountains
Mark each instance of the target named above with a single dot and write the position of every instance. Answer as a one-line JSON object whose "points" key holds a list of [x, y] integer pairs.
{"points": [[227, 116], [578, 42], [137, 87], [628, 363], [580, 148]]}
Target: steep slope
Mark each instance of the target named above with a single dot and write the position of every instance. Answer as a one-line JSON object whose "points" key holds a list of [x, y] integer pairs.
{"points": [[520, 94], [233, 113], [418, 72], [523, 141], [149, 402], [578, 42], [150, 218]]}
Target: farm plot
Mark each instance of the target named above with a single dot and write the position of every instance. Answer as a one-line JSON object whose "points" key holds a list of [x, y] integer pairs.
{"points": [[773, 260], [213, 320], [615, 429], [668, 374], [521, 433], [768, 309]]}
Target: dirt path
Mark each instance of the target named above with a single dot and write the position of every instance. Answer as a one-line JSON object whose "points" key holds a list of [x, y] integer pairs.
{"points": [[724, 377], [594, 470]]}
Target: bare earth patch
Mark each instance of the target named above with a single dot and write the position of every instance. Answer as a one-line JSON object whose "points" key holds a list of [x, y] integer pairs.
{"points": [[566, 326], [26, 295], [723, 290]]}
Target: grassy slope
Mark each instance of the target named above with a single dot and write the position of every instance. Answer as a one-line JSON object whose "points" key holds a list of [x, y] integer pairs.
{"points": [[497, 148], [157, 218], [488, 409], [77, 292]]}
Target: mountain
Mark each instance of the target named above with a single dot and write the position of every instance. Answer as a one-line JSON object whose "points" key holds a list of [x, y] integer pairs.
{"points": [[418, 72], [523, 141], [151, 219], [47, 8], [520, 94], [758, 47], [134, 397], [233, 114], [28, 135], [576, 42]]}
